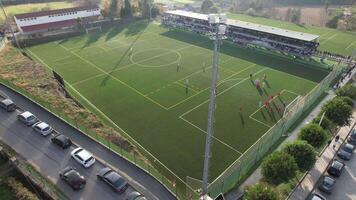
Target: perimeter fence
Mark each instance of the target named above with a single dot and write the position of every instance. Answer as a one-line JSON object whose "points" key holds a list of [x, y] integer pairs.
{"points": [[239, 170]]}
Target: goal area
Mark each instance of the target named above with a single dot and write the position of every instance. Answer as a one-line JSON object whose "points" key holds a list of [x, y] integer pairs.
{"points": [[95, 29]]}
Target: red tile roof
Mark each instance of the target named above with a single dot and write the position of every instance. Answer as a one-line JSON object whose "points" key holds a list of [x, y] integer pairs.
{"points": [[53, 12]]}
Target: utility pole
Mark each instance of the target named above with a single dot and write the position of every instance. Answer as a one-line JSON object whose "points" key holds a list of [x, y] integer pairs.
{"points": [[6, 20], [218, 26]]}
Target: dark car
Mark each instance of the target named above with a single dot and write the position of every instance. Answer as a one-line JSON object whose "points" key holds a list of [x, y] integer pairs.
{"points": [[72, 178], [346, 151], [135, 196], [8, 105], [326, 184], [352, 138], [316, 196], [113, 179], [336, 168], [62, 141]]}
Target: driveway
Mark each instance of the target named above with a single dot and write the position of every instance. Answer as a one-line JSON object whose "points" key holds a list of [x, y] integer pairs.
{"points": [[49, 159]]}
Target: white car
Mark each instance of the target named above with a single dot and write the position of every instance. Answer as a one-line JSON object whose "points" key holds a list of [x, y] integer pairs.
{"points": [[42, 128], [83, 157], [28, 118]]}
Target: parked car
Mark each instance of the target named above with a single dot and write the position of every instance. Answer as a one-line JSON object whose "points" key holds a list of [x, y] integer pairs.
{"points": [[28, 118], [135, 196], [352, 138], [346, 151], [316, 196], [326, 184], [83, 157], [113, 179], [72, 178], [42, 128], [336, 168], [8, 105], [61, 140]]}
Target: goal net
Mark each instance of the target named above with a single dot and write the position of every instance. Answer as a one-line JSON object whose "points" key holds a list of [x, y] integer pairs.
{"points": [[292, 107], [95, 29]]}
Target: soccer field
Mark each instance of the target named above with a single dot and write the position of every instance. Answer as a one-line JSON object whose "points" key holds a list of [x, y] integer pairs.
{"points": [[138, 77]]}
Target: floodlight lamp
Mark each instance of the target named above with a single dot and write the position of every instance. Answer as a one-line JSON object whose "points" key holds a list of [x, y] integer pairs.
{"points": [[211, 19], [222, 29], [222, 18]]}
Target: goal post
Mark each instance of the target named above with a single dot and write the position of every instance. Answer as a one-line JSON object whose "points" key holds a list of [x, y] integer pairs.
{"points": [[94, 29], [291, 107]]}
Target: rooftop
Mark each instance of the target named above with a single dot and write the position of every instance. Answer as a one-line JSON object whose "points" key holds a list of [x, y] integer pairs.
{"points": [[252, 26], [53, 12]]}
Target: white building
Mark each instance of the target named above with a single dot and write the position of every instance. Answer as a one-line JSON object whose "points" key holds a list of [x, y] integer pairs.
{"points": [[29, 23]]}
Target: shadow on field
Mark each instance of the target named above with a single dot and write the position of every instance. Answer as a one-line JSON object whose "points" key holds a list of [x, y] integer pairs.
{"points": [[311, 70], [131, 30]]}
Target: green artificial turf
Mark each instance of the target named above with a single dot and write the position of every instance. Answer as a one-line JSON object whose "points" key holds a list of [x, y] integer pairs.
{"points": [[144, 91]]}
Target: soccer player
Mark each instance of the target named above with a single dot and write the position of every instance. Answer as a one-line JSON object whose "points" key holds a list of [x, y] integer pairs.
{"points": [[186, 86], [250, 76], [178, 66], [264, 77]]}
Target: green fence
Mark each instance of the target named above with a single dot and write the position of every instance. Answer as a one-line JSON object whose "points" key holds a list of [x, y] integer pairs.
{"points": [[238, 170]]}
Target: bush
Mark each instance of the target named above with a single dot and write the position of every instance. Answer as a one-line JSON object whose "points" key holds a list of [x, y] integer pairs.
{"points": [[339, 111], [303, 154], [278, 167], [346, 99], [326, 124], [313, 134], [20, 191], [261, 191], [348, 90]]}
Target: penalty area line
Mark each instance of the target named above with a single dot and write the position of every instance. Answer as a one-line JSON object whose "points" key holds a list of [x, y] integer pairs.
{"points": [[204, 132]]}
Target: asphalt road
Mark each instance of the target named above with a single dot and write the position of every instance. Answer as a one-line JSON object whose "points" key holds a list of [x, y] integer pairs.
{"points": [[49, 159]]}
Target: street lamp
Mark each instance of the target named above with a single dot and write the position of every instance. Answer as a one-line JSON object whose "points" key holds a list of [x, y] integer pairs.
{"points": [[217, 33]]}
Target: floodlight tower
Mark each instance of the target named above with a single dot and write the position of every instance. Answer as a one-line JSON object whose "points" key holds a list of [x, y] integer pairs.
{"points": [[217, 33]]}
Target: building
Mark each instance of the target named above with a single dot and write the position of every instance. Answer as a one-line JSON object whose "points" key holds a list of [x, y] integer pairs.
{"points": [[246, 33], [36, 22]]}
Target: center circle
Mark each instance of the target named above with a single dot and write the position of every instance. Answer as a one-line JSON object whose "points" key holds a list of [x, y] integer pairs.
{"points": [[157, 54]]}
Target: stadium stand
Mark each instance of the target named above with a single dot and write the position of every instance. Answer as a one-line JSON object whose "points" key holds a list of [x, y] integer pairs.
{"points": [[245, 33]]}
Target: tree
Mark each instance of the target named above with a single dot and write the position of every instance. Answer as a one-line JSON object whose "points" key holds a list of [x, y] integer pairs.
{"points": [[261, 191], [313, 134], [206, 6], [295, 15], [278, 167], [126, 10], [113, 9], [338, 111], [326, 124], [214, 9], [348, 90], [145, 6], [303, 154]]}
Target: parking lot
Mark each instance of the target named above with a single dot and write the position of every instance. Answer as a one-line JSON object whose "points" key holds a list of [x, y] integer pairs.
{"points": [[344, 186], [49, 158]]}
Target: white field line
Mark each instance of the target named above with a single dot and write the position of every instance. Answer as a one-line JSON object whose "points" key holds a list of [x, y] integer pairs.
{"points": [[204, 132], [114, 78], [220, 93], [132, 64], [61, 59], [350, 45], [113, 123], [269, 126], [184, 86], [331, 37], [204, 89]]}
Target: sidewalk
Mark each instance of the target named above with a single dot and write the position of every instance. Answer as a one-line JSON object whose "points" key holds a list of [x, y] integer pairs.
{"points": [[309, 181]]}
